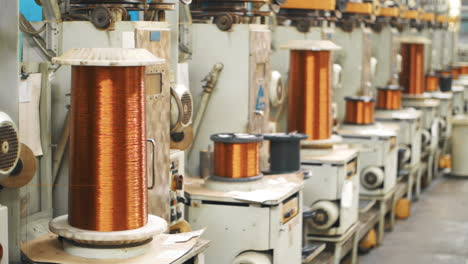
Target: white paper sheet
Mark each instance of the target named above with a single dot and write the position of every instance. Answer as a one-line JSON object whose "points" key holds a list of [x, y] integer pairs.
{"points": [[29, 118], [347, 194]]}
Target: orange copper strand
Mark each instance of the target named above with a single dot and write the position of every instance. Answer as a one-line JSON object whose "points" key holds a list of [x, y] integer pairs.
{"points": [[389, 99], [463, 70], [432, 83], [310, 94], [107, 190], [359, 112], [237, 160], [455, 73], [412, 74]]}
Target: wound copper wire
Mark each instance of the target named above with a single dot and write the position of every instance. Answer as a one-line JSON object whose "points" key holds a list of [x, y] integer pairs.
{"points": [[389, 99], [412, 74], [309, 107], [432, 83], [107, 190], [455, 73], [359, 112], [463, 70], [237, 160]]}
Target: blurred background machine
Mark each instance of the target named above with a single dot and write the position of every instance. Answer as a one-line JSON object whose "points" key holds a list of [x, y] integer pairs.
{"points": [[230, 77], [264, 210], [234, 70], [331, 193], [412, 77], [377, 143]]}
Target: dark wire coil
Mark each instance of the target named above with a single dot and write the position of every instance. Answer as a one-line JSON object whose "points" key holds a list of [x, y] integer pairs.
{"points": [[359, 112], [107, 190], [309, 107], [389, 99], [412, 74]]}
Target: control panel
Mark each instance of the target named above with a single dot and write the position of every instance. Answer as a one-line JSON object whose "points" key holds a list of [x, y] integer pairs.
{"points": [[177, 198]]}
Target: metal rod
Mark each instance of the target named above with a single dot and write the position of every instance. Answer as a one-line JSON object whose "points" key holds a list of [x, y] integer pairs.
{"points": [[58, 157]]}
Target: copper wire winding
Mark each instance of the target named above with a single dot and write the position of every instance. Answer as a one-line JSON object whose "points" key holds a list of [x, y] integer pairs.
{"points": [[463, 70], [389, 99], [455, 73], [412, 74], [107, 190], [432, 83], [359, 112], [237, 160], [309, 106]]}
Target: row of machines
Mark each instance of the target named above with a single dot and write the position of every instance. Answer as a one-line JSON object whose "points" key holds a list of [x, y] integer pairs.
{"points": [[341, 76], [300, 108]]}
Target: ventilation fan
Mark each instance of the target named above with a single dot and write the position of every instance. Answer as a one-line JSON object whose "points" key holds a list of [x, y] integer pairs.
{"points": [[9, 145]]}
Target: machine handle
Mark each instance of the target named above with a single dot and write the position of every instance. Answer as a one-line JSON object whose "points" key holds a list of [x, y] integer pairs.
{"points": [[153, 144]]}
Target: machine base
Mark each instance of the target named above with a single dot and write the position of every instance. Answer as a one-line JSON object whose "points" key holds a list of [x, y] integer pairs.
{"points": [[62, 228], [48, 249]]}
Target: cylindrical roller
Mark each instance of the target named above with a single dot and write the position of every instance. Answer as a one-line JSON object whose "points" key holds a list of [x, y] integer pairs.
{"points": [[325, 215], [372, 177]]}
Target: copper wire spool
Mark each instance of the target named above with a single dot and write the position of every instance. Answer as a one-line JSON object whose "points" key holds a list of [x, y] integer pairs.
{"points": [[463, 70], [309, 104], [432, 83], [359, 110], [412, 74], [107, 190], [237, 155], [455, 73], [389, 98]]}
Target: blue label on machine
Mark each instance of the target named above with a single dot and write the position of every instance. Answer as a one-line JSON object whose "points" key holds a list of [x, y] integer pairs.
{"points": [[155, 36], [260, 104]]}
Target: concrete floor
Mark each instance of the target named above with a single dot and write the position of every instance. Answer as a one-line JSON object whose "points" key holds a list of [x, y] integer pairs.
{"points": [[436, 232]]}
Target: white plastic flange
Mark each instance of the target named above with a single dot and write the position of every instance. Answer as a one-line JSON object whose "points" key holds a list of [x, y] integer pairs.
{"points": [[373, 66], [252, 257], [336, 76], [399, 62], [62, 228], [377, 175], [426, 137], [277, 92], [329, 210], [105, 253], [406, 154]]}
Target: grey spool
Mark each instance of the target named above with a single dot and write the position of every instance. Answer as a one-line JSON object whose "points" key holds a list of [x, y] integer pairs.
{"points": [[284, 152]]}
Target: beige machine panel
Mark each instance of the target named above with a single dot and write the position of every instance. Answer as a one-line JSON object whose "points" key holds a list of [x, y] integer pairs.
{"points": [[259, 110], [158, 118]]}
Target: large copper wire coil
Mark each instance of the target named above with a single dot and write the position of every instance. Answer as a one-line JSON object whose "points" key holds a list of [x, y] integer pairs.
{"points": [[107, 189], [463, 70], [237, 155], [432, 83], [359, 110], [309, 107], [389, 98], [455, 73], [412, 74]]}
